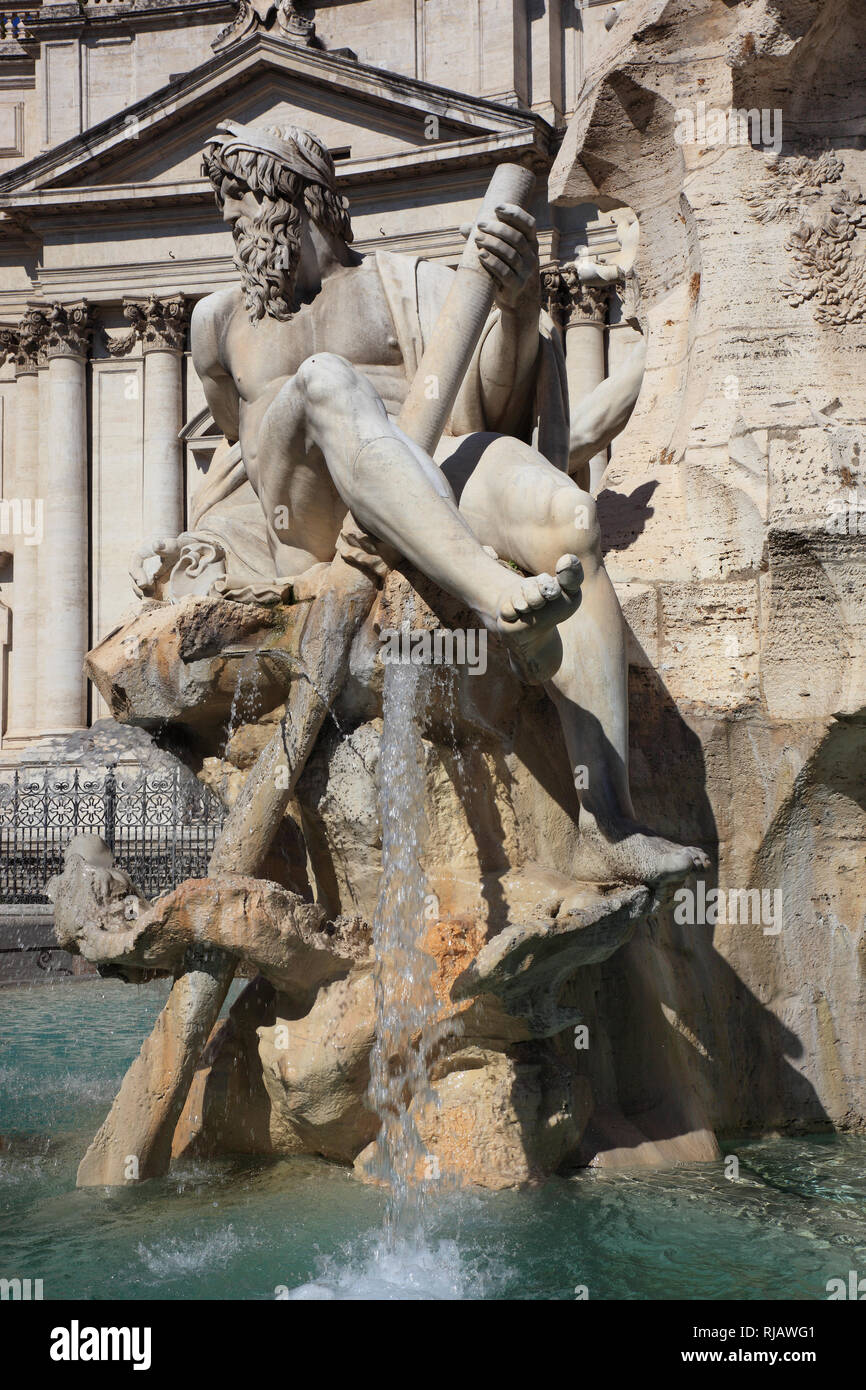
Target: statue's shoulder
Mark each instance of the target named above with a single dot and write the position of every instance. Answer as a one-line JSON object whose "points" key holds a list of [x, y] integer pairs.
{"points": [[210, 318], [216, 309]]}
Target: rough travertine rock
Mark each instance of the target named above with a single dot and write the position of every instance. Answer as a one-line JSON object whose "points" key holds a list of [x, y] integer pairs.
{"points": [[501, 1121], [734, 517], [316, 1071], [527, 964], [509, 929], [288, 1071], [168, 663], [99, 914]]}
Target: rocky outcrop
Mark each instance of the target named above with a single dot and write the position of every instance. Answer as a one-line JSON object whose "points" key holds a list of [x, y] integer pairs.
{"points": [[288, 1070], [182, 663], [98, 913], [734, 516]]}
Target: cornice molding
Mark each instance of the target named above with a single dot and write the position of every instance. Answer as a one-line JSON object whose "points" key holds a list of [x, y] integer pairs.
{"points": [[66, 20], [367, 175]]}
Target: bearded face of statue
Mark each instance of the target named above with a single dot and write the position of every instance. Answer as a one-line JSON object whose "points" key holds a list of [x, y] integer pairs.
{"points": [[267, 252]]}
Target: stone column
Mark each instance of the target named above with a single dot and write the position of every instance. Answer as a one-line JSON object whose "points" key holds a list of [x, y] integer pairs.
{"points": [[581, 312], [25, 613], [64, 587], [161, 325]]}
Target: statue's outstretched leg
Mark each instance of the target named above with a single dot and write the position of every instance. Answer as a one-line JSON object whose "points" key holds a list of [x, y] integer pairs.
{"points": [[526, 510], [400, 496]]}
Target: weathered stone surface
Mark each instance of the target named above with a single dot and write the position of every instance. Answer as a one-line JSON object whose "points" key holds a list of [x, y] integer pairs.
{"points": [[316, 1071], [228, 1109], [509, 929], [168, 663], [735, 495], [498, 1121], [99, 914], [134, 1141], [527, 964]]}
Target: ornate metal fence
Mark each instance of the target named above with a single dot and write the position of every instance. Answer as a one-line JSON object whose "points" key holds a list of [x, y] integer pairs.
{"points": [[160, 824]]}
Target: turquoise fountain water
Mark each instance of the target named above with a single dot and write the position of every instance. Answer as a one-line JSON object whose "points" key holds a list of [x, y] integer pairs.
{"points": [[247, 1228]]}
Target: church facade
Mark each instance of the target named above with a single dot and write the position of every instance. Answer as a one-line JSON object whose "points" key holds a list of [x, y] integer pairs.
{"points": [[109, 235]]}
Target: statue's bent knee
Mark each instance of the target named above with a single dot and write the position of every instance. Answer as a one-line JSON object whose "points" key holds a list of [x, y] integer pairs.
{"points": [[323, 376]]}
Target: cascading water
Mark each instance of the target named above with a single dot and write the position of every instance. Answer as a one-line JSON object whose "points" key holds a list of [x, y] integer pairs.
{"points": [[246, 707], [406, 1005], [403, 1259]]}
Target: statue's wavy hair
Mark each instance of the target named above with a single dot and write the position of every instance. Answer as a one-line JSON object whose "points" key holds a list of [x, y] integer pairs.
{"points": [[274, 251]]}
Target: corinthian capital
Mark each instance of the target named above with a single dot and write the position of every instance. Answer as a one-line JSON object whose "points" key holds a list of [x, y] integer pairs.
{"points": [[61, 330], [9, 340], [158, 324], [27, 343], [570, 299]]}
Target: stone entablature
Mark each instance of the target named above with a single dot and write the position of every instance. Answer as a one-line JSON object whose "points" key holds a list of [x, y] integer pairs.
{"points": [[67, 66], [36, 25]]}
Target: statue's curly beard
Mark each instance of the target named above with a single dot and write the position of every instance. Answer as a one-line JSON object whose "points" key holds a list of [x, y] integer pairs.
{"points": [[267, 252]]}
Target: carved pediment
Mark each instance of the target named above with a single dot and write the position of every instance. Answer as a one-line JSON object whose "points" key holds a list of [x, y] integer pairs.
{"points": [[367, 116]]}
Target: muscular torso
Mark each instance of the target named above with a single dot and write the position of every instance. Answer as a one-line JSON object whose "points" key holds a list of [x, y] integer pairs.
{"points": [[350, 317]]}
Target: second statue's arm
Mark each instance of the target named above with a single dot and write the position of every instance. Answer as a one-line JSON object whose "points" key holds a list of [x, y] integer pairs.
{"points": [[605, 412]]}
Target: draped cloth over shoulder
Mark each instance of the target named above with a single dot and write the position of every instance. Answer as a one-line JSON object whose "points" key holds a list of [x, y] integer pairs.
{"points": [[226, 513]]}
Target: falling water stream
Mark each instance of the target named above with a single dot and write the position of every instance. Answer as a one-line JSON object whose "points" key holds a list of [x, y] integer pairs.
{"points": [[406, 1005], [247, 698], [401, 1260]]}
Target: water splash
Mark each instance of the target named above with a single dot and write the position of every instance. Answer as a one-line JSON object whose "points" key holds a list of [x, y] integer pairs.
{"points": [[188, 1256], [414, 1268]]}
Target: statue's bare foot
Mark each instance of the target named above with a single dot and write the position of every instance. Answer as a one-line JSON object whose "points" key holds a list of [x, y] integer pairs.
{"points": [[529, 615], [630, 853]]}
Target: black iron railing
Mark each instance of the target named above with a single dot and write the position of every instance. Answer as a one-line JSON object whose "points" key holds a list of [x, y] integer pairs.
{"points": [[161, 825]]}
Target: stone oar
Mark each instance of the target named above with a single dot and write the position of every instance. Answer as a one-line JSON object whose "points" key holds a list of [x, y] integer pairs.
{"points": [[134, 1142]]}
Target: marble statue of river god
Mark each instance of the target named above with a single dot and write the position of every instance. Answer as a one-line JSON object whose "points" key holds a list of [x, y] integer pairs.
{"points": [[432, 405], [305, 367]]}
